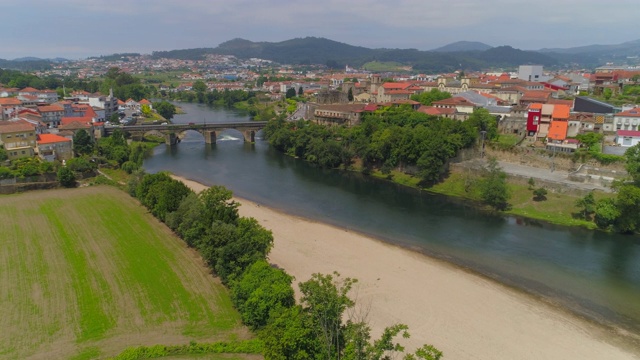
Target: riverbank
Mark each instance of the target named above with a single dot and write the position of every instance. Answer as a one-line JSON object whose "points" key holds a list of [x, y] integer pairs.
{"points": [[463, 314]]}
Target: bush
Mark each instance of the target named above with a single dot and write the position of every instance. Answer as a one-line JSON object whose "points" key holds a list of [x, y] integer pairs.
{"points": [[540, 194], [66, 177]]}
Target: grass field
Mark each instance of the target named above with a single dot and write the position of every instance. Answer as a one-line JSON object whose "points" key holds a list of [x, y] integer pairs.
{"points": [[85, 273]]}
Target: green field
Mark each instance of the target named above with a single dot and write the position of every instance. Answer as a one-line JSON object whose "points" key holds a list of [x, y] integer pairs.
{"points": [[86, 273]]}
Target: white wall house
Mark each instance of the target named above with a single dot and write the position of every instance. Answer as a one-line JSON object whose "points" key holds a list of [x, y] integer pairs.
{"points": [[627, 138]]}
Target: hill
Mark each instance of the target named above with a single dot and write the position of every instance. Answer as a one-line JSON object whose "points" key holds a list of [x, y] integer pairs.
{"points": [[334, 54], [463, 46]]}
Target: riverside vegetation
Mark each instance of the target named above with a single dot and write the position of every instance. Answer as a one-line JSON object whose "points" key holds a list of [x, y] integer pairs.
{"points": [[236, 249], [414, 149]]}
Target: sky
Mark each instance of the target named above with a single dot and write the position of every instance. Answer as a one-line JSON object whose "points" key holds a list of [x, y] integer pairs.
{"points": [[76, 29]]}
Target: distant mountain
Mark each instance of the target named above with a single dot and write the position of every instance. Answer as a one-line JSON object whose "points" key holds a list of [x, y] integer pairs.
{"points": [[597, 55], [312, 50], [25, 65], [28, 58], [629, 47], [463, 46]]}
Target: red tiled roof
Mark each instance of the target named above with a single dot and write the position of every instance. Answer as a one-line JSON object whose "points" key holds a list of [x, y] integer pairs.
{"points": [[628, 133], [535, 106], [370, 107], [49, 108], [50, 139], [85, 121], [13, 126], [558, 130], [635, 112], [145, 102], [457, 100], [561, 112], [29, 89], [395, 85], [10, 101]]}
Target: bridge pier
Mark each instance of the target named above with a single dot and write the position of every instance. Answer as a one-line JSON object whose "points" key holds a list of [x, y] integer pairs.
{"points": [[209, 136], [249, 136], [170, 139]]}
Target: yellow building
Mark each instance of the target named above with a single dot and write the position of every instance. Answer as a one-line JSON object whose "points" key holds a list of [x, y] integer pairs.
{"points": [[18, 138]]}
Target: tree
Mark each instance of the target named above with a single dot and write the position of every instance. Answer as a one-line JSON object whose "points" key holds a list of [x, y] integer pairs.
{"points": [[350, 94], [199, 86], [493, 188], [300, 91], [532, 183], [251, 242], [146, 110], [628, 220], [290, 335], [482, 120], [261, 290], [607, 93], [66, 177], [427, 98], [606, 213], [587, 206], [325, 299], [82, 143], [165, 109], [633, 163], [291, 93], [540, 194]]}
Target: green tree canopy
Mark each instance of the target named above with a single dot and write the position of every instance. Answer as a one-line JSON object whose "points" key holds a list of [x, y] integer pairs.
{"points": [[493, 187], [82, 143], [165, 109]]}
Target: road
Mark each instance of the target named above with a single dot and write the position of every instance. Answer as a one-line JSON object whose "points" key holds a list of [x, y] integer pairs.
{"points": [[557, 176]]}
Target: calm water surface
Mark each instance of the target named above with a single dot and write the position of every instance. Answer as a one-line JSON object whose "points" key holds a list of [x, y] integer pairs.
{"points": [[592, 274]]}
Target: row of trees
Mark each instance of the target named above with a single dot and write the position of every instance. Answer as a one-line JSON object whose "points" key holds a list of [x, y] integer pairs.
{"points": [[236, 249], [394, 137], [199, 93]]}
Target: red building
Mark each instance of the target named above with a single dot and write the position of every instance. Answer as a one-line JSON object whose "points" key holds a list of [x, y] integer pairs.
{"points": [[533, 118]]}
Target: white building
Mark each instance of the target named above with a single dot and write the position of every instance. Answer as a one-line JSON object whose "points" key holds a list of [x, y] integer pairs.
{"points": [[627, 138], [530, 72], [627, 120]]}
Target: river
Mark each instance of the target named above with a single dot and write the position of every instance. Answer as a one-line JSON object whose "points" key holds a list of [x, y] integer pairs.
{"points": [[590, 273]]}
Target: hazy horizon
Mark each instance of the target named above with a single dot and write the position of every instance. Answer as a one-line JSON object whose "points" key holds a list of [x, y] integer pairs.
{"points": [[101, 27]]}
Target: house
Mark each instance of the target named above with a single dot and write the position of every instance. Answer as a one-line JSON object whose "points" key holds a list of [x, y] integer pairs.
{"points": [[627, 138], [534, 114], [461, 104], [54, 147], [146, 102], [18, 138], [8, 107], [339, 113], [51, 115], [627, 120]]}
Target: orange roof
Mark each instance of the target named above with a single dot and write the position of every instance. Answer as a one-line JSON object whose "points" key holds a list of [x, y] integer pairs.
{"points": [[561, 112], [558, 130], [145, 102], [84, 120], [395, 85], [9, 101], [16, 126], [49, 108], [29, 89], [635, 112], [51, 138]]}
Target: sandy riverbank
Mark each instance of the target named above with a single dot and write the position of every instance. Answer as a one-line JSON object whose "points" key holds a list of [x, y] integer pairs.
{"points": [[464, 315]]}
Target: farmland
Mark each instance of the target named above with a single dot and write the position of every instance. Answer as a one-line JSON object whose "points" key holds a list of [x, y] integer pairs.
{"points": [[87, 272]]}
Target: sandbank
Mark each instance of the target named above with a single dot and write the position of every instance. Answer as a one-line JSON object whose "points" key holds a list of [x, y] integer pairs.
{"points": [[463, 314]]}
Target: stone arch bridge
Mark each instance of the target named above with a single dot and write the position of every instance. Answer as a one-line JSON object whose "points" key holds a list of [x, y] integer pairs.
{"points": [[172, 132]]}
